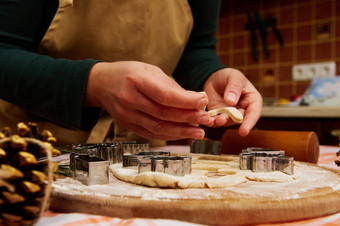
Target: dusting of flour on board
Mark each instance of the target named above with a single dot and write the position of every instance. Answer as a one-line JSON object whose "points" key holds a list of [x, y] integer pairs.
{"points": [[307, 178]]}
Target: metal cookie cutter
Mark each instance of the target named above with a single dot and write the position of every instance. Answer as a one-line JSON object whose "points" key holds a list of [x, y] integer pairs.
{"points": [[133, 147], [266, 160], [173, 165], [89, 170], [111, 152], [132, 160], [205, 147]]}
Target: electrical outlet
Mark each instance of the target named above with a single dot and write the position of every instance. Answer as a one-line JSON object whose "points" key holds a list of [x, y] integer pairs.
{"points": [[304, 72]]}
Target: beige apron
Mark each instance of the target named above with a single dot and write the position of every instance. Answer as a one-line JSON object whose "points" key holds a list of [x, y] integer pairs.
{"points": [[151, 31]]}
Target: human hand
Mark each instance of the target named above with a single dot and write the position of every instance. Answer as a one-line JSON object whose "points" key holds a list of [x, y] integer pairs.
{"points": [[145, 100], [229, 87]]}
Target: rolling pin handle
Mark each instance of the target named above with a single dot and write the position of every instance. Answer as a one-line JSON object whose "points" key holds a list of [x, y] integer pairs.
{"points": [[302, 145]]}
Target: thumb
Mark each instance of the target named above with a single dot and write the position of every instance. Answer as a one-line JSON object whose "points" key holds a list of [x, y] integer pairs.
{"points": [[235, 83]]}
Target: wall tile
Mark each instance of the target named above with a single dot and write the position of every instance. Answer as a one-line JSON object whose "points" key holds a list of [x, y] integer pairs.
{"points": [[297, 21], [224, 44], [304, 53], [253, 75], [252, 5], [284, 3], [269, 74], [271, 38], [338, 68], [239, 23], [286, 54], [267, 5], [238, 42], [225, 59], [238, 59], [287, 34], [251, 60], [286, 16], [304, 33], [337, 49], [285, 91], [268, 91], [272, 56], [337, 6], [337, 26], [323, 9], [224, 26], [237, 7], [323, 50], [301, 87], [304, 13], [285, 73], [259, 88]]}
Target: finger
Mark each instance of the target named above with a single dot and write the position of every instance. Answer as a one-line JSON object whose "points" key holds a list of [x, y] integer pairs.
{"points": [[147, 134], [223, 120], [172, 114], [136, 100], [161, 128], [166, 91], [252, 115], [236, 82]]}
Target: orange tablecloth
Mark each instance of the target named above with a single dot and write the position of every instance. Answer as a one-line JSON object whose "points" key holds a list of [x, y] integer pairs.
{"points": [[326, 159]]}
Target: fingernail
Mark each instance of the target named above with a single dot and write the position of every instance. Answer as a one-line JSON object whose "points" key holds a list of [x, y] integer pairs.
{"points": [[202, 103], [198, 135], [231, 97]]}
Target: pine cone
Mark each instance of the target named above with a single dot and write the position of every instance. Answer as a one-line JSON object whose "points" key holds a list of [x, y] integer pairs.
{"points": [[26, 174]]}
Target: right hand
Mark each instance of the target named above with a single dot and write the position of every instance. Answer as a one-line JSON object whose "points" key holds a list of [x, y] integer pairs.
{"points": [[143, 99]]}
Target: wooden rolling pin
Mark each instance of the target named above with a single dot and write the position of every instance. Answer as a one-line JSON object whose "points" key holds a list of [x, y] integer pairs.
{"points": [[303, 146]]}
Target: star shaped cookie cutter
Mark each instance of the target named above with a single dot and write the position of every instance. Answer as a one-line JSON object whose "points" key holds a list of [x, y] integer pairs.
{"points": [[266, 160]]}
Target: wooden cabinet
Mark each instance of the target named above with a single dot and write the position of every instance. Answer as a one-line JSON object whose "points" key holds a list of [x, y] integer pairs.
{"points": [[324, 121], [325, 129]]}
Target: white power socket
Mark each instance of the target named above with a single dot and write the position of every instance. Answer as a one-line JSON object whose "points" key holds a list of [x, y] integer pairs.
{"points": [[303, 72]]}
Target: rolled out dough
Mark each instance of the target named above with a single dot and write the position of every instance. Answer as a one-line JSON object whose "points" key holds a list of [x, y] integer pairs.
{"points": [[205, 174]]}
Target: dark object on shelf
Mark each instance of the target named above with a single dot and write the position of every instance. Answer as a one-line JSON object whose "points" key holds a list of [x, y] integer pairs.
{"points": [[262, 25]]}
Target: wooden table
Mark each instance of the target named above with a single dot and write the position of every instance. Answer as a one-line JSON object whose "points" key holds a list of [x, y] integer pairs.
{"points": [[326, 159]]}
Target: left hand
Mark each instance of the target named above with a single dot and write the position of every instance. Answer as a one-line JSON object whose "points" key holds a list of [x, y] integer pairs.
{"points": [[229, 87]]}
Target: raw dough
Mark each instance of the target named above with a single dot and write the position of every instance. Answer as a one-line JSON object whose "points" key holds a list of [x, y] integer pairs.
{"points": [[234, 114], [205, 174]]}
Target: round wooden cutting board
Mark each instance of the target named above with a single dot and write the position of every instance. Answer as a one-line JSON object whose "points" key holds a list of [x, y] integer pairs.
{"points": [[315, 193]]}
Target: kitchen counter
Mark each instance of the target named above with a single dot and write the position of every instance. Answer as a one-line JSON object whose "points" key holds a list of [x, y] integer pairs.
{"points": [[301, 111]]}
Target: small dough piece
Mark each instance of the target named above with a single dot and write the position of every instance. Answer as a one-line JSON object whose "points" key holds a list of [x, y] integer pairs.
{"points": [[275, 176], [234, 114], [192, 181], [156, 179]]}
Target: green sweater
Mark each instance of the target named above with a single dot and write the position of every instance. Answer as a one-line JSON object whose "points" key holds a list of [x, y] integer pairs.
{"points": [[55, 88]]}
